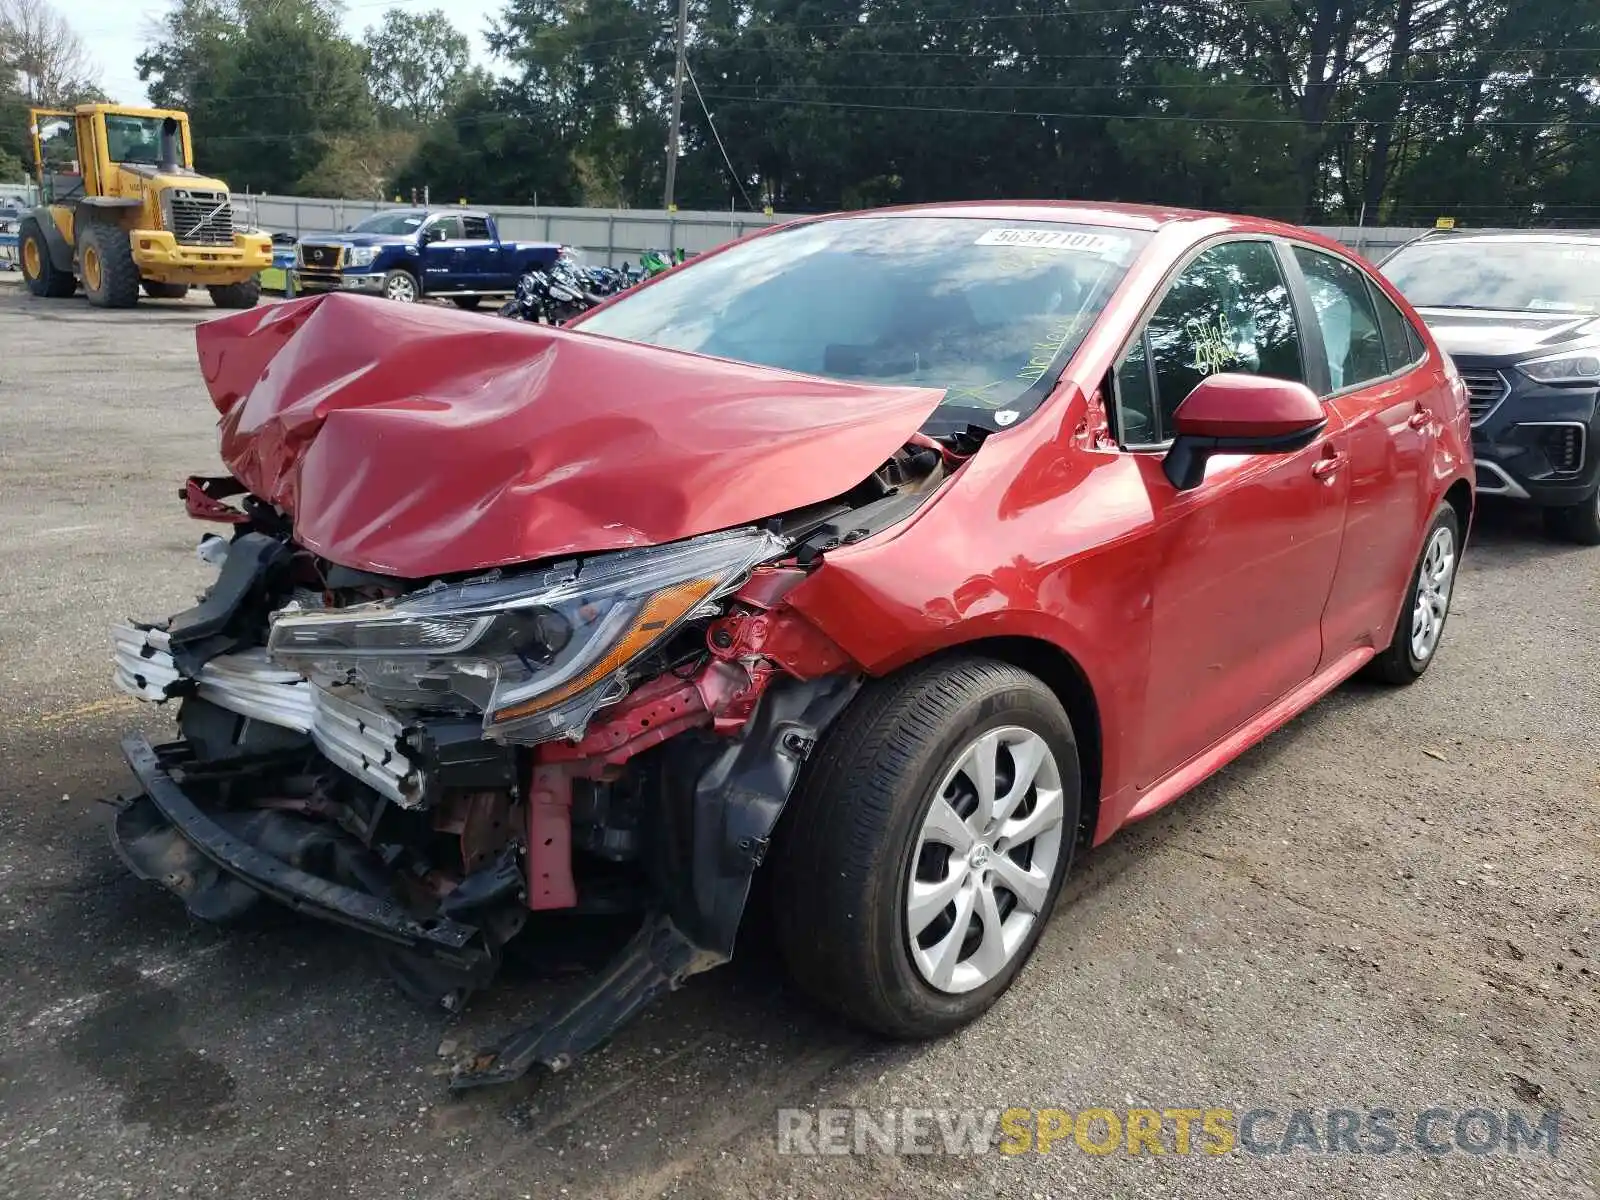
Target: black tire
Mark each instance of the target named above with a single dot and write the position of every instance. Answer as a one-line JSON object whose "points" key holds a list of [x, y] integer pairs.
{"points": [[237, 295], [1579, 523], [467, 302], [402, 287], [165, 291], [1398, 664], [843, 854], [105, 257], [46, 281]]}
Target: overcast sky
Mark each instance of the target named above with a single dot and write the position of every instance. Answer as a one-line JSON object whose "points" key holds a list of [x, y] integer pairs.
{"points": [[117, 30]]}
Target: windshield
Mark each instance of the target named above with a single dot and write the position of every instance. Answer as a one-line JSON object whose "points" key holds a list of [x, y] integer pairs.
{"points": [[983, 308], [390, 222], [136, 140], [1520, 276]]}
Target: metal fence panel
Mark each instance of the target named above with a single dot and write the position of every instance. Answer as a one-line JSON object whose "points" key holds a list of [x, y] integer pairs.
{"points": [[614, 235]]}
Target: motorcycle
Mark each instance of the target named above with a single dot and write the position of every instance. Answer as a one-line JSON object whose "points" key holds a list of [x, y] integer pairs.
{"points": [[551, 297]]}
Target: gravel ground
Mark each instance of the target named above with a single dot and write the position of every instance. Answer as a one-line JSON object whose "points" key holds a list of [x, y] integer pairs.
{"points": [[1390, 904]]}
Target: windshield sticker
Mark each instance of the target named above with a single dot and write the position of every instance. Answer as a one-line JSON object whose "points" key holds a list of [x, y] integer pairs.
{"points": [[1061, 240], [1216, 347], [1006, 416]]}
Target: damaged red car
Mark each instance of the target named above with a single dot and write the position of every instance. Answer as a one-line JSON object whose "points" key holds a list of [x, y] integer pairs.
{"points": [[883, 560]]}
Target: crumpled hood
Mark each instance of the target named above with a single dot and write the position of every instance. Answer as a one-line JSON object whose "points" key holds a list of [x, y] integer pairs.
{"points": [[1501, 334], [414, 440]]}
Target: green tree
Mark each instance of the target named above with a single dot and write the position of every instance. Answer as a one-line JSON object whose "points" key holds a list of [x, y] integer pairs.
{"points": [[416, 63], [271, 86], [495, 144]]}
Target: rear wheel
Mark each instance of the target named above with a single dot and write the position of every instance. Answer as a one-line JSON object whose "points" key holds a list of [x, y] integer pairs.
{"points": [[38, 272], [237, 295], [921, 858], [467, 302], [105, 256], [165, 291], [1578, 523], [1427, 603]]}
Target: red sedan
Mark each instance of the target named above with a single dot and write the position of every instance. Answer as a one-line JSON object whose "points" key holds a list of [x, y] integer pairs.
{"points": [[905, 553]]}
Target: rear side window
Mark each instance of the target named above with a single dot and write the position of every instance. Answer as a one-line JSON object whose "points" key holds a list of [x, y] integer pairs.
{"points": [[476, 229], [1400, 338], [1228, 311], [1351, 342]]}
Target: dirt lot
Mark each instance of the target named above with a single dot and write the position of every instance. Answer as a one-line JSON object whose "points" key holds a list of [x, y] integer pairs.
{"points": [[1392, 904]]}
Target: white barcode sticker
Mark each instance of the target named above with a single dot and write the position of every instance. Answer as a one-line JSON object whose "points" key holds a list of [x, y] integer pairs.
{"points": [[1065, 240]]}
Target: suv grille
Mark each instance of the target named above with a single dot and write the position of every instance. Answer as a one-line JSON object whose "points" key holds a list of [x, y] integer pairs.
{"points": [[199, 218], [1487, 389]]}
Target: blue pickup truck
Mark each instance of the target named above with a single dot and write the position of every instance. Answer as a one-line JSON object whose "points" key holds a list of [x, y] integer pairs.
{"points": [[407, 254]]}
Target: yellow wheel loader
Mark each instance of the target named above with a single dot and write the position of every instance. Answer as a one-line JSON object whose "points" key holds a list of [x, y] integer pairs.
{"points": [[124, 210]]}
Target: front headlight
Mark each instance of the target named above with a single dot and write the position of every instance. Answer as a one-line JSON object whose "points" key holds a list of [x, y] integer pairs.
{"points": [[537, 653], [360, 256], [1572, 366]]}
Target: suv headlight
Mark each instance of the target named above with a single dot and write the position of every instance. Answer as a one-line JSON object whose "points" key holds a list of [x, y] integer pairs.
{"points": [[360, 256], [536, 653], [1571, 366]]}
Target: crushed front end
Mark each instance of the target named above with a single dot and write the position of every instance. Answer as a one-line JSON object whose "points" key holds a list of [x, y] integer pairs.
{"points": [[500, 641], [433, 761]]}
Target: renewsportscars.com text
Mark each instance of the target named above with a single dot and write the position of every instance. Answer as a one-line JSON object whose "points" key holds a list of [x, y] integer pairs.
{"points": [[1161, 1131]]}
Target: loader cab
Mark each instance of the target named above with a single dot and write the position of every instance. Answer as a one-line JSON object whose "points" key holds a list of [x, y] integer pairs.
{"points": [[107, 150]]}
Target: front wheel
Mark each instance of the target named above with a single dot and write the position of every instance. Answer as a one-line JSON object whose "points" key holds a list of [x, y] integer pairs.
{"points": [[1427, 603], [237, 295], [1578, 523], [919, 861], [401, 286]]}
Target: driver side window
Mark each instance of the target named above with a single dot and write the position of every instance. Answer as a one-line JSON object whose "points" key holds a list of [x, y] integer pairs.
{"points": [[442, 229], [1229, 310]]}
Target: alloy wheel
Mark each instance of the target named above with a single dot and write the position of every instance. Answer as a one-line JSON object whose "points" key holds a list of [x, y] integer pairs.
{"points": [[1434, 582], [984, 859], [400, 288]]}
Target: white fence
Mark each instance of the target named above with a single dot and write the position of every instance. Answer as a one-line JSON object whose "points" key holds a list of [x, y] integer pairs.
{"points": [[606, 236], [612, 235]]}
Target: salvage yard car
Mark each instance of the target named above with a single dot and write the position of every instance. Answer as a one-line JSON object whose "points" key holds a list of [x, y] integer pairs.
{"points": [[885, 560], [411, 254], [1519, 313]]}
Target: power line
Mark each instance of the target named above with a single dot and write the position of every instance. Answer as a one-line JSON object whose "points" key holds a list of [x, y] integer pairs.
{"points": [[712, 125], [1142, 87], [1182, 118]]}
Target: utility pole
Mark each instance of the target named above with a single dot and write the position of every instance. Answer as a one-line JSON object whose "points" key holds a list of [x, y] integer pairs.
{"points": [[677, 106]]}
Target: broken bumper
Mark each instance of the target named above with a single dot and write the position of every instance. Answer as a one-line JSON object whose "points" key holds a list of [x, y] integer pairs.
{"points": [[164, 837], [354, 734]]}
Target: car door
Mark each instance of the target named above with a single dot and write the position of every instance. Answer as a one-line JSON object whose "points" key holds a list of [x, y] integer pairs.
{"points": [[483, 254], [443, 254], [1367, 366], [1245, 561]]}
